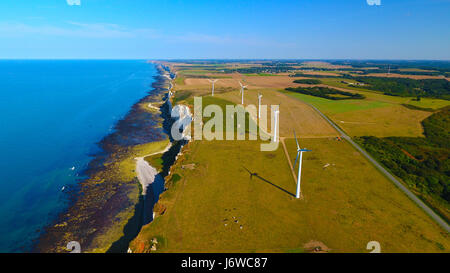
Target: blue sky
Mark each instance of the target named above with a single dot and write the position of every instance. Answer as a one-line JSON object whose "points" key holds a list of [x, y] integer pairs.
{"points": [[198, 29]]}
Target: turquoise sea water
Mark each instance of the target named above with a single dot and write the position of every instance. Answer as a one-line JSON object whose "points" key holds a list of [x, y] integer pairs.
{"points": [[52, 114]]}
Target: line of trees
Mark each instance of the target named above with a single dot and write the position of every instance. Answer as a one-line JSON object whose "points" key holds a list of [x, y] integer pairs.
{"points": [[260, 69], [300, 74], [308, 81], [433, 88], [325, 92], [422, 163]]}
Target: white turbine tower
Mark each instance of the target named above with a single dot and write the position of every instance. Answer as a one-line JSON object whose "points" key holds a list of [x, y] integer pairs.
{"points": [[299, 153], [259, 105], [276, 114], [212, 89], [242, 91]]}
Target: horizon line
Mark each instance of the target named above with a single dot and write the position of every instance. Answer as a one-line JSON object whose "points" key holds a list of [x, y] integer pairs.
{"points": [[218, 59]]}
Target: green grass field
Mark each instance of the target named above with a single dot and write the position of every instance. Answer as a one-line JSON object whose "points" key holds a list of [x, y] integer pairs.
{"points": [[213, 204], [378, 96], [345, 205], [333, 107], [369, 117]]}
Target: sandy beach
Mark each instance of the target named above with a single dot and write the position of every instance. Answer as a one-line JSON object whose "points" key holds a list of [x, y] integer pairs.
{"points": [[145, 172]]}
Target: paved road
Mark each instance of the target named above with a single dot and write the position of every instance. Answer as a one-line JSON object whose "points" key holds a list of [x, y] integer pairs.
{"points": [[411, 195]]}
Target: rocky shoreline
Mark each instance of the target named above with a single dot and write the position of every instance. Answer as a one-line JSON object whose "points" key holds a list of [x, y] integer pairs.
{"points": [[105, 210]]}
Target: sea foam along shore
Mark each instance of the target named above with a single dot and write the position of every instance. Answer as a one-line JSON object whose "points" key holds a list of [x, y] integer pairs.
{"points": [[105, 210]]}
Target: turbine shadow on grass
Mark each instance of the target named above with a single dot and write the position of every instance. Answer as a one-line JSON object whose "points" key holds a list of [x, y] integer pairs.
{"points": [[267, 181]]}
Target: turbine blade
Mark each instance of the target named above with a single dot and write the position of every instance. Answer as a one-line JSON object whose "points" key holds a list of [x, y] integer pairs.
{"points": [[298, 146], [295, 163]]}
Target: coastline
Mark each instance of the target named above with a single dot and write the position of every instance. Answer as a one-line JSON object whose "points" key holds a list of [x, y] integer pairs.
{"points": [[106, 210]]}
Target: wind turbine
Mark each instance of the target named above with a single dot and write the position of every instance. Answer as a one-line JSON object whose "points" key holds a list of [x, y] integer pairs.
{"points": [[213, 82], [276, 116], [299, 153], [259, 105], [242, 91]]}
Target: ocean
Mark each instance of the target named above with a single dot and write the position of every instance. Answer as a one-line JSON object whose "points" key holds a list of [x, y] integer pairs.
{"points": [[52, 115]]}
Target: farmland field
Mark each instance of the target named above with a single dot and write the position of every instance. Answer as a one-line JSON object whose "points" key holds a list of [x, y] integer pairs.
{"points": [[365, 117], [293, 114], [349, 198], [346, 202]]}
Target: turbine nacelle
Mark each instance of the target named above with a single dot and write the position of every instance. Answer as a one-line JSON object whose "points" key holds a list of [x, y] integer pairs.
{"points": [[241, 91], [212, 88], [242, 87]]}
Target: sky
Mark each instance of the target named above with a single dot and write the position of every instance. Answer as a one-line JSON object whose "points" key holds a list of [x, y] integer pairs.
{"points": [[224, 29]]}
